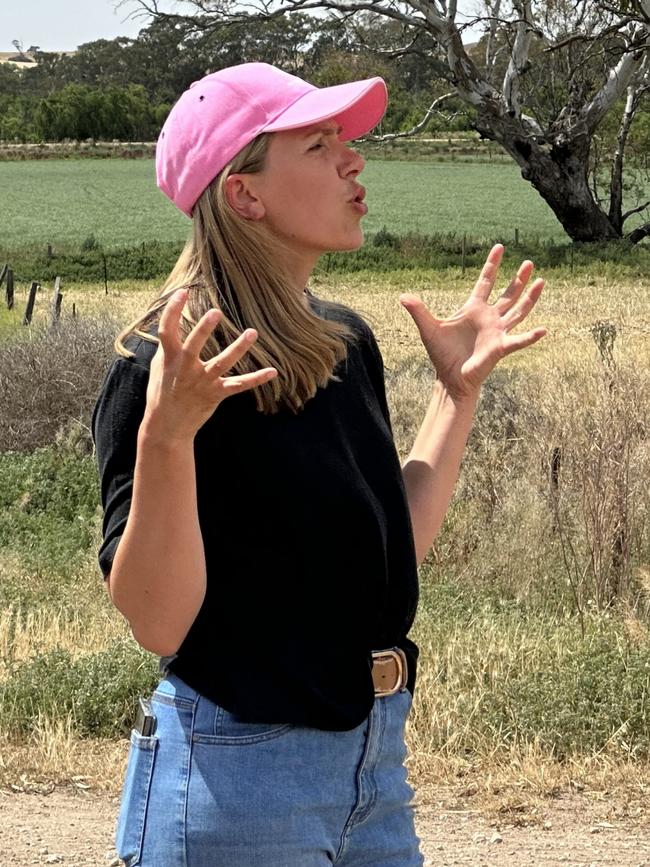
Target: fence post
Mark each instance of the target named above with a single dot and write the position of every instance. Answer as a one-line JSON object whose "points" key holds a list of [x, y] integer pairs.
{"points": [[57, 298], [29, 310], [49, 252], [516, 237], [10, 288]]}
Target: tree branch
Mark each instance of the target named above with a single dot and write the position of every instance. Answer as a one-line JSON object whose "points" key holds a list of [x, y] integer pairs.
{"points": [[588, 37], [519, 57], [490, 54], [617, 81], [417, 128], [616, 184], [636, 210], [639, 233]]}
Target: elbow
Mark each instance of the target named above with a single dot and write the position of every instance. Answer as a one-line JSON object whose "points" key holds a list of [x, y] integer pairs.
{"points": [[160, 645], [152, 637]]}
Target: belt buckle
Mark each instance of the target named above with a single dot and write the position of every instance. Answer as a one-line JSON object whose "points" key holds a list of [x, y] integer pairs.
{"points": [[394, 658]]}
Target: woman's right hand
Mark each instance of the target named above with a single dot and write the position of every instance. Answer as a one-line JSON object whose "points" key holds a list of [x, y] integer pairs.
{"points": [[184, 391]]}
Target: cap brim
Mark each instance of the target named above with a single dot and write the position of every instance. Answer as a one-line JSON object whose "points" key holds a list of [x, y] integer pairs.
{"points": [[358, 106]]}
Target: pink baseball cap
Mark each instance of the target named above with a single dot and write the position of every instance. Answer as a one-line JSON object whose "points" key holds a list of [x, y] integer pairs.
{"points": [[223, 112]]}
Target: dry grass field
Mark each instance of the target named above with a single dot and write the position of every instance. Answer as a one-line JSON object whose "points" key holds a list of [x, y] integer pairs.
{"points": [[533, 625]]}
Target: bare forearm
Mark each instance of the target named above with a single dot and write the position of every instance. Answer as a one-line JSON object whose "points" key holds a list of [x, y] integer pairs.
{"points": [[158, 577], [432, 467]]}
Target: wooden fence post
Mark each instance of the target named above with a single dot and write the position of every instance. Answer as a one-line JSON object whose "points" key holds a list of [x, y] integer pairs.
{"points": [[10, 288], [29, 310], [105, 275], [57, 298], [49, 252]]}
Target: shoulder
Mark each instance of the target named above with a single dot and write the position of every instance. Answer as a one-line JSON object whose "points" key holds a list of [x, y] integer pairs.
{"points": [[336, 312], [141, 349], [126, 379]]}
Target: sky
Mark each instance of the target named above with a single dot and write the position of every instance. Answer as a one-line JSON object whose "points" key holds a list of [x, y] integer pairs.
{"points": [[62, 25]]}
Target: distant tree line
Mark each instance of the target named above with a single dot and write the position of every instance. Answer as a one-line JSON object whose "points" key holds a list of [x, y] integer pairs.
{"points": [[123, 88]]}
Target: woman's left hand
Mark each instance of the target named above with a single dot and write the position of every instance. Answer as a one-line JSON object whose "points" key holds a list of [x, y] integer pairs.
{"points": [[465, 347]]}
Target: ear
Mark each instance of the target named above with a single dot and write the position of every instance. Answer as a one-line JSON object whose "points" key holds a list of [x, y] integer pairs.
{"points": [[242, 198]]}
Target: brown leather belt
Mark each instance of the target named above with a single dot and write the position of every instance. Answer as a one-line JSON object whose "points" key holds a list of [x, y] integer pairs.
{"points": [[389, 671]]}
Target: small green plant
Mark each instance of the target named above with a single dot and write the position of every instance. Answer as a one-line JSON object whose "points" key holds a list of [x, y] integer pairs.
{"points": [[604, 335], [89, 243], [99, 690]]}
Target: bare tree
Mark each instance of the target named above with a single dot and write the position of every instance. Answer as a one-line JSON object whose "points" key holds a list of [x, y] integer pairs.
{"points": [[547, 74]]}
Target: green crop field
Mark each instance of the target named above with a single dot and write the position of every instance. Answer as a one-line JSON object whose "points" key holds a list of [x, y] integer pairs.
{"points": [[64, 201]]}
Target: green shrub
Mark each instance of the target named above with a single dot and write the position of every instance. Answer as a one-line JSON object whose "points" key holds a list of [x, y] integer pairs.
{"points": [[497, 673], [48, 506], [585, 698], [99, 690], [384, 251]]}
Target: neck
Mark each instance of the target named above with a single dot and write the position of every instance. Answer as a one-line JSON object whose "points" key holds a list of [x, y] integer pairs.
{"points": [[299, 270]]}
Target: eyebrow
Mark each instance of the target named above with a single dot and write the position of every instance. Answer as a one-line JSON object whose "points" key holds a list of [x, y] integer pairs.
{"points": [[326, 130]]}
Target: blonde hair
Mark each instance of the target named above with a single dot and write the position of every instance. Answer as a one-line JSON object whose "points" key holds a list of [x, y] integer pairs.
{"points": [[234, 264]]}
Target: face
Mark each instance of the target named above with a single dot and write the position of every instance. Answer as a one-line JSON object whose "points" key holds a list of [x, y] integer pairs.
{"points": [[308, 191]]}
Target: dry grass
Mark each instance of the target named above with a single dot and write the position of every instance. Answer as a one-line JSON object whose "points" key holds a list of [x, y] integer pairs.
{"points": [[23, 634], [54, 755], [501, 520], [514, 788]]}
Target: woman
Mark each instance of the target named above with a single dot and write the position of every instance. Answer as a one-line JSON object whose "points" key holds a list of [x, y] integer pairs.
{"points": [[260, 535]]}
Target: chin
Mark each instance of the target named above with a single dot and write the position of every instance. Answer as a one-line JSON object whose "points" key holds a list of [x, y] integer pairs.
{"points": [[350, 244]]}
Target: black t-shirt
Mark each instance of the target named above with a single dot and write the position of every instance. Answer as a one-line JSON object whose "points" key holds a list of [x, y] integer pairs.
{"points": [[308, 542]]}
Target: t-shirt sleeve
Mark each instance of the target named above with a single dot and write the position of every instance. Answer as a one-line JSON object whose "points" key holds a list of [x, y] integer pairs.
{"points": [[115, 422]]}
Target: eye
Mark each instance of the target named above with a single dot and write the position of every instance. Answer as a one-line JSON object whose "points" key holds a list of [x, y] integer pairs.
{"points": [[319, 144]]}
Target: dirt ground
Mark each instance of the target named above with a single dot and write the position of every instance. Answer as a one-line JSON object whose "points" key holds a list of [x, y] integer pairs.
{"points": [[75, 829]]}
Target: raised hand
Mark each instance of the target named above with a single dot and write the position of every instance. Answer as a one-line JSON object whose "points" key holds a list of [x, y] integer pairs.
{"points": [[465, 347], [183, 390]]}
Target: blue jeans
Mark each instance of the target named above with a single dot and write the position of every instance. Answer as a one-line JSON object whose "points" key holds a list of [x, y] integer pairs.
{"points": [[208, 790]]}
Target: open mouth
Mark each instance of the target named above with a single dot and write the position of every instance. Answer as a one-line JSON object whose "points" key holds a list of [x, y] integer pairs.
{"points": [[358, 202]]}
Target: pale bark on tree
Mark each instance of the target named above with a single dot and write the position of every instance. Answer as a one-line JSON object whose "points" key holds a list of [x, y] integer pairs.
{"points": [[552, 154]]}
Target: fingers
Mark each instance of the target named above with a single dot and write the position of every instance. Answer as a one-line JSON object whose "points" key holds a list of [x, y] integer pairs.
{"points": [[222, 363], [521, 310], [516, 287], [201, 332], [485, 282], [521, 341], [168, 330], [422, 316], [236, 384]]}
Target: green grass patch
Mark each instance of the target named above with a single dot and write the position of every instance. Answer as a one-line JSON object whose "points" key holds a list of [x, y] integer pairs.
{"points": [[97, 690], [65, 201], [117, 202], [497, 673], [48, 510], [384, 253]]}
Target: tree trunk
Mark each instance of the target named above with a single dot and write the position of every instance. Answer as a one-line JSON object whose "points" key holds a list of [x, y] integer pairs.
{"points": [[558, 171]]}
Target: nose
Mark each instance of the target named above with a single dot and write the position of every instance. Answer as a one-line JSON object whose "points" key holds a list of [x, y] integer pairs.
{"points": [[352, 163]]}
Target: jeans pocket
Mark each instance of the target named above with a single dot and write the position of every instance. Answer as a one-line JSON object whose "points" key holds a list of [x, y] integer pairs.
{"points": [[135, 798], [229, 729]]}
